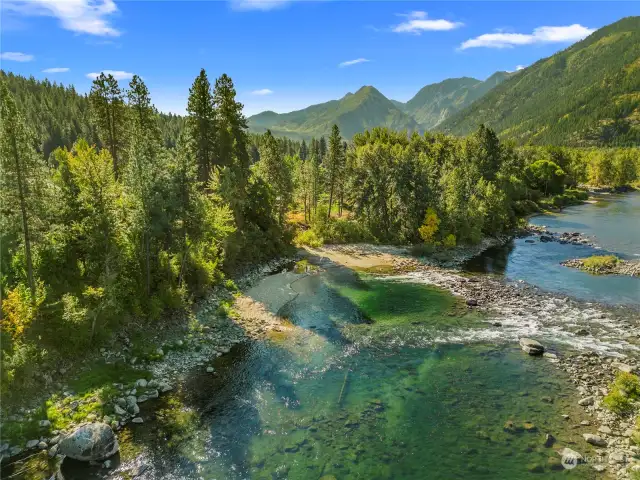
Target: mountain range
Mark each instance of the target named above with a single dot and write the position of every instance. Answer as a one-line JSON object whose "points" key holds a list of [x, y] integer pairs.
{"points": [[367, 108], [587, 94]]}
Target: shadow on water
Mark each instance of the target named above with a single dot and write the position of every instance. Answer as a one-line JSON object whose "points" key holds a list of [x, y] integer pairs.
{"points": [[492, 260]]}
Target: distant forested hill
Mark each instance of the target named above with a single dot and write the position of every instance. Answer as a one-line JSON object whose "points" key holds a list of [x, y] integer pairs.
{"points": [[588, 94], [59, 115]]}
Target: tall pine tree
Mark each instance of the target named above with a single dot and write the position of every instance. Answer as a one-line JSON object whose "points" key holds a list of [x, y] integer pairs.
{"points": [[109, 113], [201, 125]]}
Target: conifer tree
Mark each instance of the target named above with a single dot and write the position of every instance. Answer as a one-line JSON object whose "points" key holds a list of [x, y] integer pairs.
{"points": [[201, 125], [20, 174], [335, 160], [109, 113], [233, 156]]}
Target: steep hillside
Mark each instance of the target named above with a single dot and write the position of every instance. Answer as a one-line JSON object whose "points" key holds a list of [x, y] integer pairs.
{"points": [[353, 113], [435, 103], [585, 95]]}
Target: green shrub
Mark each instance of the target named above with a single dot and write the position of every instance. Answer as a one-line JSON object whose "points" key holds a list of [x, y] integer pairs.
{"points": [[624, 390], [308, 238], [597, 262]]}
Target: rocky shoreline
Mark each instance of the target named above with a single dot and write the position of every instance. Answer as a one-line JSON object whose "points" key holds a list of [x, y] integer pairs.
{"points": [[613, 434], [211, 333], [620, 267]]}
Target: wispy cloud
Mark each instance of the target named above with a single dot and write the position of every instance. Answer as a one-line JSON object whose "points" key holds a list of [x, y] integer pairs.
{"points": [[16, 57], [263, 5], [569, 33], [348, 63], [117, 74], [55, 70], [263, 91], [517, 69], [417, 22], [81, 16]]}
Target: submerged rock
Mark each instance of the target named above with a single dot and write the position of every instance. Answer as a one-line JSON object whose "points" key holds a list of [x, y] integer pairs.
{"points": [[532, 347], [594, 440], [90, 442], [549, 440]]}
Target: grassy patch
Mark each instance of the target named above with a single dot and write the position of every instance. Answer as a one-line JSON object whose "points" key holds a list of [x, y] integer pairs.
{"points": [[622, 393], [598, 262]]}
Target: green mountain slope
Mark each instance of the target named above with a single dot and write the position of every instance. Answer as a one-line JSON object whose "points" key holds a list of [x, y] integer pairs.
{"points": [[355, 112], [435, 103], [588, 94]]}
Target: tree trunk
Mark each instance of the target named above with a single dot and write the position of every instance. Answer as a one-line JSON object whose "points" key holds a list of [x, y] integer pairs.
{"points": [[330, 200], [148, 262], [25, 223]]}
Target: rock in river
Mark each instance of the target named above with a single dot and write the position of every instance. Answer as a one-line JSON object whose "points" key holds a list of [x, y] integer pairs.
{"points": [[90, 442], [532, 347], [594, 440]]}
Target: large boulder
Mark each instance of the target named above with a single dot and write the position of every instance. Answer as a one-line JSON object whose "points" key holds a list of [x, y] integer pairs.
{"points": [[91, 442], [532, 347]]}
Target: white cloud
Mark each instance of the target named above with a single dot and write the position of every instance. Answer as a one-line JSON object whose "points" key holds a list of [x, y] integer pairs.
{"points": [[117, 74], [55, 70], [517, 69], [16, 57], [81, 16], [263, 91], [263, 5], [353, 62], [570, 33], [417, 22]]}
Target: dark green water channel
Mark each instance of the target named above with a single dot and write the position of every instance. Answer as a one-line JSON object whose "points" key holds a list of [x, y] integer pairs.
{"points": [[314, 404]]}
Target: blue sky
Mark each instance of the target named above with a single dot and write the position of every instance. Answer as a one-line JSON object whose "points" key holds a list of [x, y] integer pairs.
{"points": [[285, 55]]}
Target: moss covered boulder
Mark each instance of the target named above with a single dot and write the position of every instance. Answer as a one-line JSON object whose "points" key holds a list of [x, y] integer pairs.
{"points": [[91, 442]]}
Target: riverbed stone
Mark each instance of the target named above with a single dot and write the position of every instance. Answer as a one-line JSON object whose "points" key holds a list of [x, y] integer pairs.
{"points": [[531, 346], [586, 401], [89, 442], [569, 455], [604, 429], [623, 367], [32, 444], [595, 440], [142, 383]]}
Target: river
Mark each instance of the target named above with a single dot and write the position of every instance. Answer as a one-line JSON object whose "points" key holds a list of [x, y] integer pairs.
{"points": [[388, 377]]}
